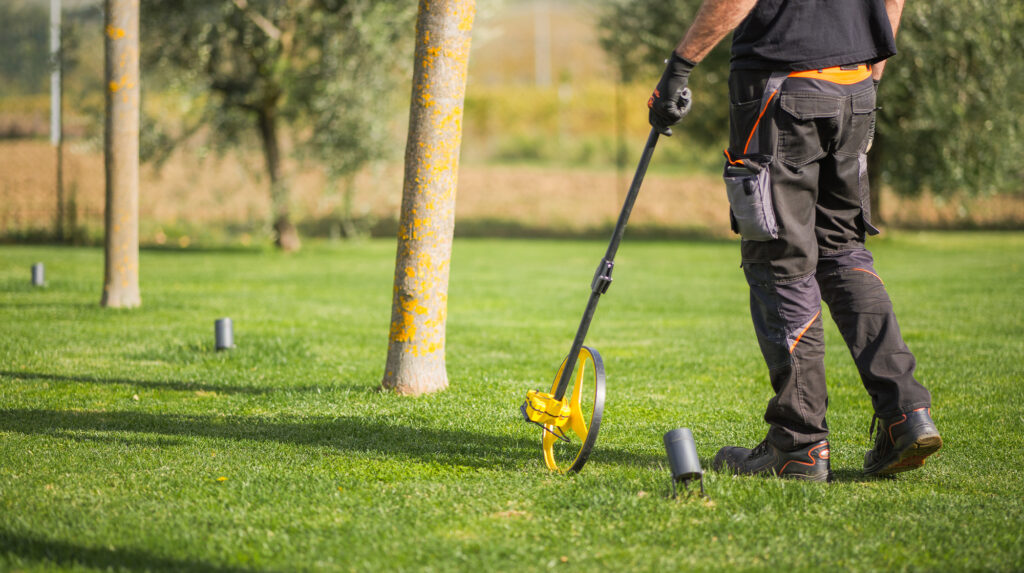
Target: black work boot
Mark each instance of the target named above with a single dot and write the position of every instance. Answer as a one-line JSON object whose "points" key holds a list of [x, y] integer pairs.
{"points": [[903, 442], [807, 463]]}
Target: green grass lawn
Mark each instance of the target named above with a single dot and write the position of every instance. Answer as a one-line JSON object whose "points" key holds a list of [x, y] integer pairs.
{"points": [[128, 444]]}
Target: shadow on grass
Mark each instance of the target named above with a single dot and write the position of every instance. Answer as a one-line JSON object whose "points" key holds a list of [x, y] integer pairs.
{"points": [[508, 228], [512, 229], [145, 441], [211, 249], [849, 475], [64, 554], [180, 385], [350, 433], [857, 476], [37, 299]]}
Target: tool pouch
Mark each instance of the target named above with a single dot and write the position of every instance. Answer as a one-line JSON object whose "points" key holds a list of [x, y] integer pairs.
{"points": [[748, 177], [748, 185]]}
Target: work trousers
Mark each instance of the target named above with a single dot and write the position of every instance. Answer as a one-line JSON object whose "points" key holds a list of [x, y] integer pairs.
{"points": [[815, 133]]}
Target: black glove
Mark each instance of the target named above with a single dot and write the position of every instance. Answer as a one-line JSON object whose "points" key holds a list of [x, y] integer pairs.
{"points": [[874, 114], [671, 98]]}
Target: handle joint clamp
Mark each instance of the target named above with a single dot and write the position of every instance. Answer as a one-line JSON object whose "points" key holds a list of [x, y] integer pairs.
{"points": [[602, 276]]}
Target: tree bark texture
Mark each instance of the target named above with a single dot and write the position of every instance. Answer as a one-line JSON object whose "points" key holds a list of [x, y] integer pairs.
{"points": [[121, 153], [416, 346]]}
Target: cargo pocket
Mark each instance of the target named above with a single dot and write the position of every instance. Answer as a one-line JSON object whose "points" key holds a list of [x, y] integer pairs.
{"points": [[854, 139], [742, 123], [863, 108], [748, 186], [807, 118]]}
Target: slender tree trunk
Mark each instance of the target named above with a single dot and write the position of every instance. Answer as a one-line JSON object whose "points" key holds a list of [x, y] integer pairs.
{"points": [[287, 236], [121, 151], [416, 346], [348, 220]]}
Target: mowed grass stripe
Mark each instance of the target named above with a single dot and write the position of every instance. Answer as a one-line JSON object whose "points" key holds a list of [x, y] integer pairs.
{"points": [[116, 427]]}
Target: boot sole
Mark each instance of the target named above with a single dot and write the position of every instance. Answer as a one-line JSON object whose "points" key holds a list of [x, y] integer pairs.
{"points": [[912, 457], [825, 477]]}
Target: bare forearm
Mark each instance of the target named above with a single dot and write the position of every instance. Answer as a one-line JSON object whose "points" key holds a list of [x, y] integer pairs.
{"points": [[894, 9], [714, 20]]}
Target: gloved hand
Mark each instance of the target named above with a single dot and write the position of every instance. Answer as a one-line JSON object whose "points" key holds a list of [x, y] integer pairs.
{"points": [[874, 114], [671, 98]]}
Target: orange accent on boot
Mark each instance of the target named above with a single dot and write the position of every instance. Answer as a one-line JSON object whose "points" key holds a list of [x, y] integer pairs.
{"points": [[810, 456], [893, 425]]}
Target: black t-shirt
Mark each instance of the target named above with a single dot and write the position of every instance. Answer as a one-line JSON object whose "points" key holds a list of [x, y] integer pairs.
{"points": [[811, 34]]}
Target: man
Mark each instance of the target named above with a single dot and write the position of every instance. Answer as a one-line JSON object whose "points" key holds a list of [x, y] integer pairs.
{"points": [[802, 85]]}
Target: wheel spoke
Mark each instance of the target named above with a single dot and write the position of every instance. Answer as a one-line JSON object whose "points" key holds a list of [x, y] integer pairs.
{"points": [[578, 425]]}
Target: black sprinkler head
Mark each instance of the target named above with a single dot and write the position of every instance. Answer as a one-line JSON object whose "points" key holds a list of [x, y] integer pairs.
{"points": [[682, 458]]}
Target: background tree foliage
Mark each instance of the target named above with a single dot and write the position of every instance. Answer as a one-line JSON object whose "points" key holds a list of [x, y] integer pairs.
{"points": [[356, 90], [24, 68], [951, 99], [640, 35], [328, 69], [25, 50]]}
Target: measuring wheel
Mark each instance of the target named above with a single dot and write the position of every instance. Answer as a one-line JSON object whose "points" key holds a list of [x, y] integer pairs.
{"points": [[567, 448], [571, 417]]}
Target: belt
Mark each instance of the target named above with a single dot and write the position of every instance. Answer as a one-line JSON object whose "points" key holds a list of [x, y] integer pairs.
{"points": [[844, 75]]}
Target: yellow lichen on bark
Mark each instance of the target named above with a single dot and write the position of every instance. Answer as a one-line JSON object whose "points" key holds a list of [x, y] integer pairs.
{"points": [[419, 308], [121, 153]]}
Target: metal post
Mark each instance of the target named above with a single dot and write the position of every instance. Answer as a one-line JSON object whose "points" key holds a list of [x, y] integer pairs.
{"points": [[223, 335], [56, 103], [38, 275]]}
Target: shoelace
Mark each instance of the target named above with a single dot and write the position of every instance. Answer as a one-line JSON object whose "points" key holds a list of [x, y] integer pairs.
{"points": [[871, 430], [759, 449]]}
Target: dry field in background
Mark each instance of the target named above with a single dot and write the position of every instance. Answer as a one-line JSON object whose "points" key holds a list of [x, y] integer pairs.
{"points": [[229, 190]]}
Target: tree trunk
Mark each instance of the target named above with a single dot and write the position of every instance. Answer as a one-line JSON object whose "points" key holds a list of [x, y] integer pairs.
{"points": [[121, 153], [286, 235], [416, 345]]}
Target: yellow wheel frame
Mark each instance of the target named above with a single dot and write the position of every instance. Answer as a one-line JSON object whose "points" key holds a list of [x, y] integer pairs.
{"points": [[584, 420]]}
